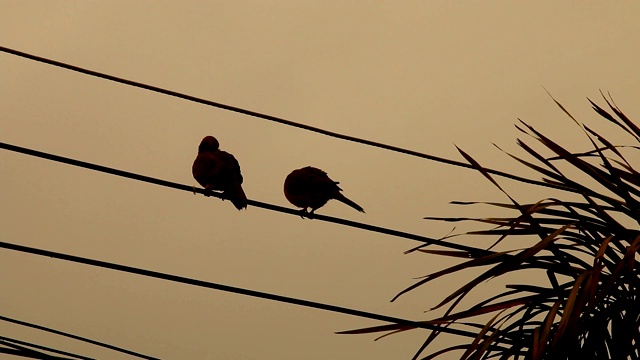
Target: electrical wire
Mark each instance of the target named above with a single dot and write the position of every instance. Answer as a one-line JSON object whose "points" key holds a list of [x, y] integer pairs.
{"points": [[26, 349], [472, 251], [268, 117], [76, 337], [233, 289]]}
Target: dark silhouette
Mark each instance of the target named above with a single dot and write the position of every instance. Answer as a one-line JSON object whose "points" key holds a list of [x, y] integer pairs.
{"points": [[310, 187], [215, 169]]}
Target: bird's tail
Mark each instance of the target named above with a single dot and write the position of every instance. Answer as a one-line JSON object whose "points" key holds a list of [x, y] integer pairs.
{"points": [[347, 201], [237, 197]]}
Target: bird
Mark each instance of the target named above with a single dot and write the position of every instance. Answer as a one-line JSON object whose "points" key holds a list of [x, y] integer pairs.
{"points": [[215, 169], [310, 187]]}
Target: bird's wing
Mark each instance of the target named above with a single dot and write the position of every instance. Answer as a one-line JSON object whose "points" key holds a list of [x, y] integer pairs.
{"points": [[231, 166], [206, 168]]}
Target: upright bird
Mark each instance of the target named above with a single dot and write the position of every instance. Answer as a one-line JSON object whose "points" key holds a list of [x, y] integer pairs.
{"points": [[310, 187], [215, 169]]}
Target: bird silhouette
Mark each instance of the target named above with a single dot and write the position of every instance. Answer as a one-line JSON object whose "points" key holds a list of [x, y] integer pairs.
{"points": [[215, 169], [310, 187]]}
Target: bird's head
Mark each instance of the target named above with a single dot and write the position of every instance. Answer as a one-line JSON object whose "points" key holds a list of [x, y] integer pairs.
{"points": [[209, 143]]}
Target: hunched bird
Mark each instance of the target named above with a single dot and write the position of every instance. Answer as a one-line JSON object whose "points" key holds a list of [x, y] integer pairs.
{"points": [[215, 169], [310, 187]]}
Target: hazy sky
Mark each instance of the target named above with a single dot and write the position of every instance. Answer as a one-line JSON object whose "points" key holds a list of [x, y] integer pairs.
{"points": [[422, 75]]}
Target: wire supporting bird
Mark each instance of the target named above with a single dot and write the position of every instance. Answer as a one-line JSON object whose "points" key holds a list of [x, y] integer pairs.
{"points": [[310, 187], [215, 169]]}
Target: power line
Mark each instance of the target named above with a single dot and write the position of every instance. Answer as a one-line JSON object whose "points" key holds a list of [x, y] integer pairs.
{"points": [[26, 350], [76, 337], [233, 289], [30, 354], [428, 241], [268, 117]]}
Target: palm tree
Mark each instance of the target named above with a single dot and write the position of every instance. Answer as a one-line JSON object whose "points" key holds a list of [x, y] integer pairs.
{"points": [[586, 248]]}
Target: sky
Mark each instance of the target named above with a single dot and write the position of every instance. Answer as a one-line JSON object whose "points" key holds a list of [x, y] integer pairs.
{"points": [[421, 75]]}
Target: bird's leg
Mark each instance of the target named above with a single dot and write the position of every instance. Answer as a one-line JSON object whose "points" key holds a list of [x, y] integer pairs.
{"points": [[207, 191], [303, 212], [311, 214]]}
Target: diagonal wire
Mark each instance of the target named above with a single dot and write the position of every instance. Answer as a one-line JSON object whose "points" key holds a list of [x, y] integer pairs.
{"points": [[21, 351], [26, 348], [32, 354], [23, 354], [267, 117], [233, 289], [76, 337], [428, 241]]}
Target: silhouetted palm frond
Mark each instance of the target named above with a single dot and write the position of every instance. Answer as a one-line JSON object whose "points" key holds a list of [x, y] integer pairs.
{"points": [[587, 249]]}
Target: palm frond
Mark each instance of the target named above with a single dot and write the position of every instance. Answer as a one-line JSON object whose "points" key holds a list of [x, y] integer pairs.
{"points": [[587, 249]]}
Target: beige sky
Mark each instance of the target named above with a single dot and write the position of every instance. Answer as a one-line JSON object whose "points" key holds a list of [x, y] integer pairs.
{"points": [[421, 75]]}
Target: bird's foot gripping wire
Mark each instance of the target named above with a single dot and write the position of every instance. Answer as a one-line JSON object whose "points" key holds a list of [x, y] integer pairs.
{"points": [[206, 192], [306, 214]]}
